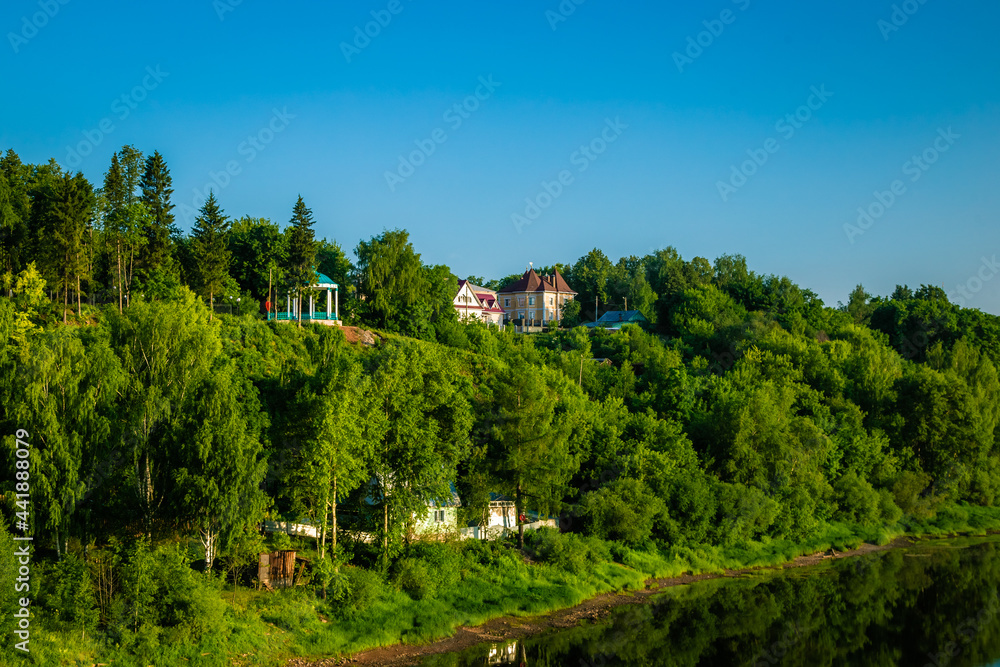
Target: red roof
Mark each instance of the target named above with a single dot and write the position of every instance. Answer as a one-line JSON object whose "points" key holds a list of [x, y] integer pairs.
{"points": [[532, 282]]}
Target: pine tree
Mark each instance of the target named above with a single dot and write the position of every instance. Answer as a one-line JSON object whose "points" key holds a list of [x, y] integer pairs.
{"points": [[156, 191], [211, 254], [70, 207], [15, 206], [113, 202], [302, 247]]}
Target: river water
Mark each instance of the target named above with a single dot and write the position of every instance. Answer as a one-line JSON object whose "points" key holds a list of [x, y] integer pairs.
{"points": [[935, 604]]}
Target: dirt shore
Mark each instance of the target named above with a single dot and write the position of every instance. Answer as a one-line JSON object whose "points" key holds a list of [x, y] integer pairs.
{"points": [[506, 628]]}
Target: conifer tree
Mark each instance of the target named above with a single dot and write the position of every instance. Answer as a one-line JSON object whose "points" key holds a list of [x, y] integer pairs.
{"points": [[159, 231], [302, 246], [209, 245], [70, 207], [15, 206]]}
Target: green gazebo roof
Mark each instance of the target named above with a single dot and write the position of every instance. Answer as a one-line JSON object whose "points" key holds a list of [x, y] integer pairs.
{"points": [[324, 281]]}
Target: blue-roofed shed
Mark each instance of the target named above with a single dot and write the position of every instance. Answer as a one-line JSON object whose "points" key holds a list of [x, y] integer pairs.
{"points": [[615, 319]]}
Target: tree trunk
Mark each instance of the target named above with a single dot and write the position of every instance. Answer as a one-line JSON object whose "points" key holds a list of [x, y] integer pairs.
{"points": [[79, 307], [119, 257], [321, 537], [385, 533], [208, 541], [520, 524]]}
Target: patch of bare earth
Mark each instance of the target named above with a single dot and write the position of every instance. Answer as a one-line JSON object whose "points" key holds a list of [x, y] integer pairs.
{"points": [[508, 628], [358, 335]]}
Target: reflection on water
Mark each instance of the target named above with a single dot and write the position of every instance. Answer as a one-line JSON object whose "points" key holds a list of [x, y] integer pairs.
{"points": [[511, 653], [934, 605]]}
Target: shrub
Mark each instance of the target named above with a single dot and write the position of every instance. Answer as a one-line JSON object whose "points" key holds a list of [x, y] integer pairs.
{"points": [[625, 510], [72, 594], [913, 495], [413, 577], [187, 602], [859, 502], [745, 513], [357, 588], [567, 551], [890, 512]]}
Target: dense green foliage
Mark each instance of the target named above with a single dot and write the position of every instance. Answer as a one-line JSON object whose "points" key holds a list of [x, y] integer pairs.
{"points": [[746, 424]]}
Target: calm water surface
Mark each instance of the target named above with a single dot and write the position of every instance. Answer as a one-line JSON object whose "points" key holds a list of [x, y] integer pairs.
{"points": [[935, 604]]}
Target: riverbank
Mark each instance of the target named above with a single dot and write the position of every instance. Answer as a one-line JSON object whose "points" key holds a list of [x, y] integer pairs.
{"points": [[508, 628]]}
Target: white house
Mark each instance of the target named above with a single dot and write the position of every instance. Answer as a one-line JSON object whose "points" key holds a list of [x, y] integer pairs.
{"points": [[476, 303]]}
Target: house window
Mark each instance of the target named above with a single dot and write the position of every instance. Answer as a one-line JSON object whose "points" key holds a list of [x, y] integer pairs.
{"points": [[506, 303], [531, 315], [531, 301], [520, 300], [551, 301], [439, 516], [520, 315]]}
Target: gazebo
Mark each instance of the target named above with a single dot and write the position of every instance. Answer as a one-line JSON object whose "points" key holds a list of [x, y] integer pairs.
{"points": [[330, 316]]}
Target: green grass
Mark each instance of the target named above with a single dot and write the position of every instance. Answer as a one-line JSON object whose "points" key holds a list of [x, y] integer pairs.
{"points": [[268, 628]]}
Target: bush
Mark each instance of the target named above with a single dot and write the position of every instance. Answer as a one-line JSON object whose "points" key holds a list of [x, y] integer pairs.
{"points": [[890, 512], [413, 577], [8, 596], [357, 588], [914, 496], [625, 510], [71, 594], [188, 603], [859, 502], [567, 551], [427, 567], [745, 513]]}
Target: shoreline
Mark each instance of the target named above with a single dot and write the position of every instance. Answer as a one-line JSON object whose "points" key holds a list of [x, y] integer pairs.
{"points": [[507, 628]]}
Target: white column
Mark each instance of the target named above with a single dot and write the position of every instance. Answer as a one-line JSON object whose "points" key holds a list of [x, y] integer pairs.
{"points": [[288, 305], [329, 303], [336, 303], [312, 309]]}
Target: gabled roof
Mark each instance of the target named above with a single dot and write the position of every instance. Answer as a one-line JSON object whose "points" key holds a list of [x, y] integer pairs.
{"points": [[614, 319], [461, 286], [491, 304], [478, 289], [559, 283], [529, 282], [615, 316], [532, 282]]}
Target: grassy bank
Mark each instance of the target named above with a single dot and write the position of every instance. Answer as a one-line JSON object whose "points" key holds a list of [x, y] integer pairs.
{"points": [[430, 591]]}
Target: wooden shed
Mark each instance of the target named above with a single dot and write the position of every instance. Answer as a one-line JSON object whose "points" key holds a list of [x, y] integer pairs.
{"points": [[277, 570]]}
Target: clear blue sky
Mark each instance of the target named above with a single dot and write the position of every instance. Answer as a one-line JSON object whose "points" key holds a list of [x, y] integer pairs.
{"points": [[560, 82]]}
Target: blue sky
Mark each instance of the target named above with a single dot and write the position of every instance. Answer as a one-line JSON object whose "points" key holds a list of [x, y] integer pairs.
{"points": [[688, 94]]}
